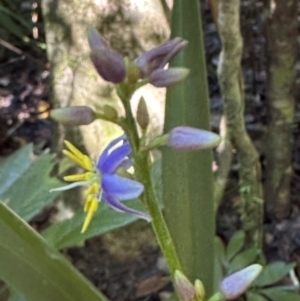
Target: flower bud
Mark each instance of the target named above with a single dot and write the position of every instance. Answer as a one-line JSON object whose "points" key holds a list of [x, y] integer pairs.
{"points": [[109, 65], [132, 71], [188, 138], [200, 291], [168, 77], [96, 41], [77, 115], [237, 283], [142, 114], [110, 112], [159, 56], [108, 62], [184, 287]]}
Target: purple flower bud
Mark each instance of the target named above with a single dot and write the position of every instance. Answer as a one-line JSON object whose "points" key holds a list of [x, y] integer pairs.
{"points": [[108, 62], [188, 138], [96, 41], [77, 115], [159, 56], [237, 283], [168, 77]]}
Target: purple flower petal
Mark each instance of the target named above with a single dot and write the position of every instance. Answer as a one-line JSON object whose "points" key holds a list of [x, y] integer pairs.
{"points": [[118, 206], [115, 159], [121, 188], [106, 151]]}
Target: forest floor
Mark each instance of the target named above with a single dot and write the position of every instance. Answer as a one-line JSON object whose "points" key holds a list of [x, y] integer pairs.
{"points": [[25, 99]]}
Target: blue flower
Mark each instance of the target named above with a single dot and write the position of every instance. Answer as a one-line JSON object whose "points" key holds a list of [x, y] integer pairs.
{"points": [[103, 180]]}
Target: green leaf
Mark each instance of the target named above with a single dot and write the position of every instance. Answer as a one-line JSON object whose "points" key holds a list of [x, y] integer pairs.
{"points": [[243, 259], [15, 295], [276, 294], [220, 250], [67, 233], [219, 262], [252, 296], [273, 272], [10, 25], [25, 182], [235, 244], [36, 269], [187, 176], [16, 16]]}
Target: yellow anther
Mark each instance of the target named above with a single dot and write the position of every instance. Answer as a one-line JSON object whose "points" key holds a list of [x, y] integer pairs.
{"points": [[87, 203], [79, 177], [74, 150], [93, 189], [72, 157], [93, 206], [87, 163]]}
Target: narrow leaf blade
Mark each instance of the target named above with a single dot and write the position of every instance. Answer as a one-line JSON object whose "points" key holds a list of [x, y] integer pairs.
{"points": [[37, 270]]}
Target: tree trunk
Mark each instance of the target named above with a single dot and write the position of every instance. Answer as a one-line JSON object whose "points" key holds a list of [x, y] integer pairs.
{"points": [[281, 33], [231, 83]]}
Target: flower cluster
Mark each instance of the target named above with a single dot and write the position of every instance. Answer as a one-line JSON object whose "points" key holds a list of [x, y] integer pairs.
{"points": [[102, 179], [150, 65]]}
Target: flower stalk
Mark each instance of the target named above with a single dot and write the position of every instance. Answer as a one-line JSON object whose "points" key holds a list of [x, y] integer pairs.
{"points": [[143, 175]]}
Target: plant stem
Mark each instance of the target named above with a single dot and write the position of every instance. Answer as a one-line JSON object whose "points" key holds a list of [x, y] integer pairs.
{"points": [[143, 175]]}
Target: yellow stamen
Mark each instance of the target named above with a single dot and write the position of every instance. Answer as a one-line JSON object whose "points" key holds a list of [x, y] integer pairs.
{"points": [[74, 150], [72, 157], [87, 202], [93, 189], [87, 162], [91, 211], [79, 177]]}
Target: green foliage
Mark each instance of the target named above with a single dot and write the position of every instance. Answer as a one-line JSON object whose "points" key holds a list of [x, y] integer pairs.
{"points": [[235, 257], [273, 272], [25, 182], [15, 295], [235, 244], [278, 294], [36, 269], [14, 23], [67, 233], [187, 176]]}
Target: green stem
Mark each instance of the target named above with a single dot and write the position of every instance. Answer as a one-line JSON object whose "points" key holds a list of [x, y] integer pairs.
{"points": [[143, 175]]}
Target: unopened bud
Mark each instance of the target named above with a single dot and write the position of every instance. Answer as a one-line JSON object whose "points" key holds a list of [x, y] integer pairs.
{"points": [[132, 71], [159, 56], [77, 115], [200, 291], [95, 40], [109, 112], [142, 115], [168, 77], [237, 283], [184, 287], [188, 138], [109, 64]]}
